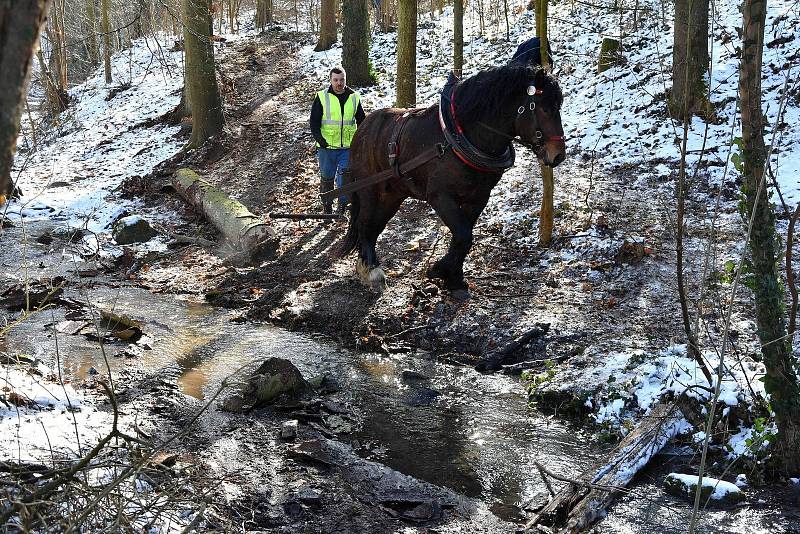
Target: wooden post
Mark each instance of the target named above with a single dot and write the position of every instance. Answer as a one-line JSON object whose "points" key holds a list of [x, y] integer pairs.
{"points": [[548, 182]]}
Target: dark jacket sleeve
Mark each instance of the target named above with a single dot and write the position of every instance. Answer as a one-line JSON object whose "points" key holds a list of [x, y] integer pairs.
{"points": [[360, 115], [316, 122]]}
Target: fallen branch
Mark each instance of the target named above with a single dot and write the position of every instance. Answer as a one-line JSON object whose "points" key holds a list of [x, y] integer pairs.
{"points": [[494, 360], [578, 506]]}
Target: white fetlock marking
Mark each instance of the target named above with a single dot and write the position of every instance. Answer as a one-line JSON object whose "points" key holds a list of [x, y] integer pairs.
{"points": [[377, 278]]}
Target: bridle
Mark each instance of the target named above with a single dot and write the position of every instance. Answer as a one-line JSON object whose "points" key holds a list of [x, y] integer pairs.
{"points": [[530, 103]]}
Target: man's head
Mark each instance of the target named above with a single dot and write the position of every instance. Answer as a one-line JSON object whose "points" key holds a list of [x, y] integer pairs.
{"points": [[338, 79]]}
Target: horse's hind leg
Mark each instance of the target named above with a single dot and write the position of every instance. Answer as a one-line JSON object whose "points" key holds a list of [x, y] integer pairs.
{"points": [[371, 223]]}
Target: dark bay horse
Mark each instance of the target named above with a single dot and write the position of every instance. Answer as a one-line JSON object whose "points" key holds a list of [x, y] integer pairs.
{"points": [[485, 112]]}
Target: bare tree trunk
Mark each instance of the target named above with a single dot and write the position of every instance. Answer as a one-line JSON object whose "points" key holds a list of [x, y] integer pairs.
{"points": [[406, 53], [781, 378], [458, 37], [263, 13], [327, 26], [20, 25], [355, 42], [508, 26], [106, 39], [201, 81], [385, 16], [689, 58], [55, 99], [91, 33], [58, 41]]}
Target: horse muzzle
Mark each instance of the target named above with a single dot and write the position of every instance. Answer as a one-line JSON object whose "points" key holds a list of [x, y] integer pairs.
{"points": [[553, 153]]}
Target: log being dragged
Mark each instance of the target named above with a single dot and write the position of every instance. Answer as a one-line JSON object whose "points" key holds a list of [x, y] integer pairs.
{"points": [[585, 500], [246, 232]]}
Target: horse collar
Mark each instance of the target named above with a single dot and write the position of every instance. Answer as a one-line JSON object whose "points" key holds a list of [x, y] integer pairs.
{"points": [[468, 153]]}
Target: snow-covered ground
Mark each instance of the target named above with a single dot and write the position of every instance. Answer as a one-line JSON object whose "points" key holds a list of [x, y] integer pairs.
{"points": [[101, 143], [42, 417]]}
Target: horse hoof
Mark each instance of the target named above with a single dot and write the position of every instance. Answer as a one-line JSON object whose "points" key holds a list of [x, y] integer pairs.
{"points": [[376, 280], [374, 277], [435, 272], [460, 295], [362, 270]]}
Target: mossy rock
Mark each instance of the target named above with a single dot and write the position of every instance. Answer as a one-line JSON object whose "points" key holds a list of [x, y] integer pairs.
{"points": [[276, 378], [133, 229]]}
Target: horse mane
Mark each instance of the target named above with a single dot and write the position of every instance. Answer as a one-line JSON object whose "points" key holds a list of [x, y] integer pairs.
{"points": [[489, 92]]}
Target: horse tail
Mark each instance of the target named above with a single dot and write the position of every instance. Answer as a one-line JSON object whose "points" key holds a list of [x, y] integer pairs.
{"points": [[350, 241]]}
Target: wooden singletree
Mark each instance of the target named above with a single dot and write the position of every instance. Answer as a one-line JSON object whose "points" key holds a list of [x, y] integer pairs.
{"points": [[200, 80], [689, 59], [327, 25], [406, 53], [355, 42], [20, 25], [776, 347]]}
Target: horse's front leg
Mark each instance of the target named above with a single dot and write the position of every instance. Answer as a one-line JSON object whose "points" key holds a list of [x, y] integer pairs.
{"points": [[460, 219]]}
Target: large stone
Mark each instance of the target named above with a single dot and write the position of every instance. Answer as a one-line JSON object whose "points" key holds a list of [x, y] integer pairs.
{"points": [[275, 378], [720, 491], [133, 229]]}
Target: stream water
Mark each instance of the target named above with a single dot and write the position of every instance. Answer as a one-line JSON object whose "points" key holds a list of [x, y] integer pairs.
{"points": [[441, 423]]}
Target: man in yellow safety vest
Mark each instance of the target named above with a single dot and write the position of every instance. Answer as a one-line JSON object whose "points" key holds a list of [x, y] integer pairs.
{"points": [[335, 116]]}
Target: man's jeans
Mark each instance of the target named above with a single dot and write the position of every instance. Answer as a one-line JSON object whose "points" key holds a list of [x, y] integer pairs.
{"points": [[332, 164]]}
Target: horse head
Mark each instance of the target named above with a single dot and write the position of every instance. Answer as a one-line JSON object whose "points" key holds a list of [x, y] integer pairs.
{"points": [[538, 121]]}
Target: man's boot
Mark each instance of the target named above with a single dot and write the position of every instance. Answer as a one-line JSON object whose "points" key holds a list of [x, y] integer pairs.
{"points": [[325, 185]]}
